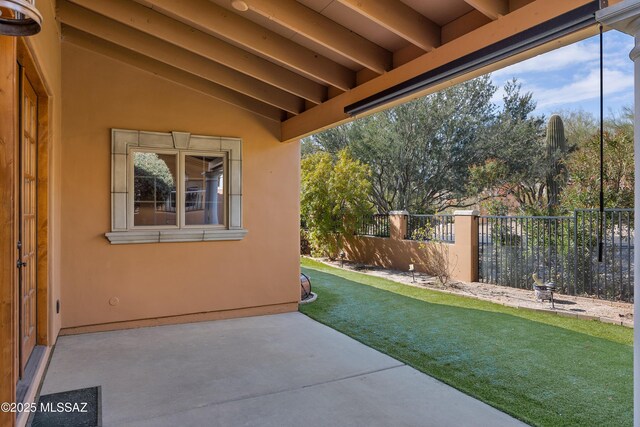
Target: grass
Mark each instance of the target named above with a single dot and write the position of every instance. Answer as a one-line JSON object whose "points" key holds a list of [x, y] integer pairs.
{"points": [[544, 369]]}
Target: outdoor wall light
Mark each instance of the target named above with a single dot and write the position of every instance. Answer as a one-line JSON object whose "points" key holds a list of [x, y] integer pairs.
{"points": [[19, 18]]}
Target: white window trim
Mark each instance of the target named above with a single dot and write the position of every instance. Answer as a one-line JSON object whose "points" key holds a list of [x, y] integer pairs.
{"points": [[122, 229]]}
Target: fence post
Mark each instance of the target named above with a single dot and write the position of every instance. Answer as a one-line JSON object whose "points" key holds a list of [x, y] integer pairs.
{"points": [[466, 245], [398, 224]]}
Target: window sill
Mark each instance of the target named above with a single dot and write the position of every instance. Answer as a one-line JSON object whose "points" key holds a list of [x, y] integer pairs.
{"points": [[168, 236]]}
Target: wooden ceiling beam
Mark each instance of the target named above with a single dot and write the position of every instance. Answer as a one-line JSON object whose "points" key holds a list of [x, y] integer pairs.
{"points": [[94, 44], [331, 113], [127, 37], [322, 30], [463, 25], [217, 21], [492, 9], [400, 19], [186, 37]]}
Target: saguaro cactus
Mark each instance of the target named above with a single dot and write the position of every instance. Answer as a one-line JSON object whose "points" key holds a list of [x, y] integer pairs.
{"points": [[556, 151]]}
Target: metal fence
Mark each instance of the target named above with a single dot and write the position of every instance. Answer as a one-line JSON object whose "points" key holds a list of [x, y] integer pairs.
{"points": [[431, 227], [563, 250], [611, 278], [374, 225]]}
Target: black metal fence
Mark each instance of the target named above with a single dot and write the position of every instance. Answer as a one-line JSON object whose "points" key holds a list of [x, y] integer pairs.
{"points": [[612, 277], [563, 250], [431, 227], [374, 225]]}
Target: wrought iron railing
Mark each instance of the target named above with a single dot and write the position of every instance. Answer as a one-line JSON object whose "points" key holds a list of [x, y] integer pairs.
{"points": [[374, 225], [612, 276], [512, 248], [563, 250], [431, 227]]}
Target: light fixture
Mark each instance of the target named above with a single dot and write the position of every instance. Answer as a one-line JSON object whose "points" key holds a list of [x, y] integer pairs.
{"points": [[23, 18], [239, 5]]}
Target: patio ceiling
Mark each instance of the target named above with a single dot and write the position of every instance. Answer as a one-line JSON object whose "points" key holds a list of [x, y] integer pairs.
{"points": [[299, 62]]}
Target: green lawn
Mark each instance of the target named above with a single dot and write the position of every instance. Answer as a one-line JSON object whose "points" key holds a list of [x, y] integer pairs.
{"points": [[543, 369]]}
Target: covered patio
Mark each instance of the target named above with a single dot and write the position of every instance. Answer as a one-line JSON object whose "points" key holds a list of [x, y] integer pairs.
{"points": [[150, 177], [277, 370]]}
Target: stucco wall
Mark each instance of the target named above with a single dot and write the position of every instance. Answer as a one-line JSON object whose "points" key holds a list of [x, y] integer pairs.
{"points": [[168, 279], [458, 259], [398, 254]]}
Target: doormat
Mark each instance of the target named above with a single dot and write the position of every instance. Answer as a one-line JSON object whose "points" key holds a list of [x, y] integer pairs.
{"points": [[74, 408]]}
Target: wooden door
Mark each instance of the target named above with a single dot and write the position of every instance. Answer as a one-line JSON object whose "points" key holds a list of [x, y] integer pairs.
{"points": [[27, 244]]}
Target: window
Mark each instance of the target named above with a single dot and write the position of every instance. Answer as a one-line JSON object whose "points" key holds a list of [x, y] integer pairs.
{"points": [[204, 198], [154, 188], [175, 187]]}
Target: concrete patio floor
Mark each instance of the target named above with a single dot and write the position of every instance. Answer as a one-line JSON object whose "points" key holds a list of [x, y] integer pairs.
{"points": [[280, 370]]}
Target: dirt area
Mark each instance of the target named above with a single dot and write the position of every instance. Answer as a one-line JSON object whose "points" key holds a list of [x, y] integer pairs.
{"points": [[619, 313]]}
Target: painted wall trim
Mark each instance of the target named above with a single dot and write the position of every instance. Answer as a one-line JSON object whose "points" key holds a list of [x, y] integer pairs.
{"points": [[124, 140], [163, 236], [472, 212]]}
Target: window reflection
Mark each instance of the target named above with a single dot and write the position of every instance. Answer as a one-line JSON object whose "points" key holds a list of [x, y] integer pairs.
{"points": [[204, 190], [154, 189]]}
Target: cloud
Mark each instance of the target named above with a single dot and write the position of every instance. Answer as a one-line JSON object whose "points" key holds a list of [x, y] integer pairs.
{"points": [[583, 88], [559, 59], [570, 75], [497, 97]]}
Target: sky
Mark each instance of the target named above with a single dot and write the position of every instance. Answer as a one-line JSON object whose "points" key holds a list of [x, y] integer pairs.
{"points": [[569, 78]]}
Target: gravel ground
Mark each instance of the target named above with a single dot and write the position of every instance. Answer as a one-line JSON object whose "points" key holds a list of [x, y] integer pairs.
{"points": [[565, 305]]}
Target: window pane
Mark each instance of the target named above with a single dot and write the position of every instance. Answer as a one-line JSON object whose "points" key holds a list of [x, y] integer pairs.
{"points": [[204, 202], [154, 189]]}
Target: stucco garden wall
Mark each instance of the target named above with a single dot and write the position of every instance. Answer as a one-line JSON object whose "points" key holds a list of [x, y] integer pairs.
{"points": [[394, 252]]}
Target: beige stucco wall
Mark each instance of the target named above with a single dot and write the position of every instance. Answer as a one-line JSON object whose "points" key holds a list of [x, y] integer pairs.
{"points": [[169, 279], [398, 254], [394, 252]]}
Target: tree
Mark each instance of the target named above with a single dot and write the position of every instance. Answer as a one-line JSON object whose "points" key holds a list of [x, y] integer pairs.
{"points": [[334, 198], [419, 152], [583, 188], [331, 140], [154, 180], [579, 126], [515, 165]]}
